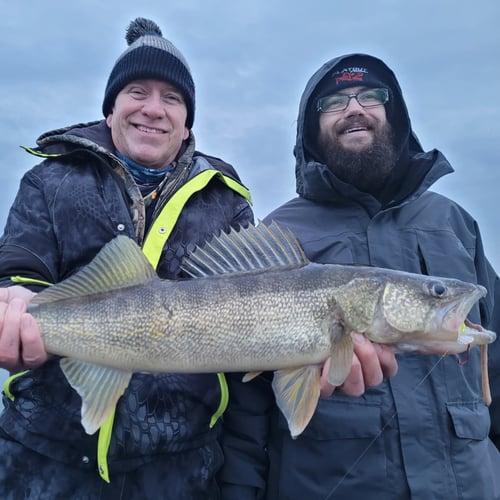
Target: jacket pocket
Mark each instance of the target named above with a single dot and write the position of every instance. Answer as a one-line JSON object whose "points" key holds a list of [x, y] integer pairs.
{"points": [[343, 441], [470, 444], [470, 421], [336, 419]]}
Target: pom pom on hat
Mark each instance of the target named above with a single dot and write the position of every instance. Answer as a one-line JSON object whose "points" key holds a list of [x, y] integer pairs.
{"points": [[150, 56]]}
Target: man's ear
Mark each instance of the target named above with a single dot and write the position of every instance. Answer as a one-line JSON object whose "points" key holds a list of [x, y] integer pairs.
{"points": [[109, 118]]}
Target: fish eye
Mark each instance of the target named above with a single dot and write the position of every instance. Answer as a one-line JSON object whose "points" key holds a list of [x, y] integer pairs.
{"points": [[437, 289]]}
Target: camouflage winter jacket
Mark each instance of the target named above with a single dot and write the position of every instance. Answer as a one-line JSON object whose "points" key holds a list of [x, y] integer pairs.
{"points": [[76, 200]]}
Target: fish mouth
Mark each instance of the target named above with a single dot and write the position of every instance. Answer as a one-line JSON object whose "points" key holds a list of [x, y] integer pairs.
{"points": [[463, 330], [453, 333], [470, 333]]}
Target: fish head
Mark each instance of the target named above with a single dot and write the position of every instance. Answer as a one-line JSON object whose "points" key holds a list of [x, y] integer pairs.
{"points": [[427, 314]]}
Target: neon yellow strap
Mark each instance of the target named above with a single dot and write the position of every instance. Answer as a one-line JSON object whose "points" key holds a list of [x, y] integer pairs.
{"points": [[38, 153], [6, 384], [224, 399], [25, 281], [164, 224], [106, 429], [152, 248], [103, 446]]}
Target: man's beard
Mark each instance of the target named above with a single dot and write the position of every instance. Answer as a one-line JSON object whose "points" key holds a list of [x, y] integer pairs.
{"points": [[367, 169]]}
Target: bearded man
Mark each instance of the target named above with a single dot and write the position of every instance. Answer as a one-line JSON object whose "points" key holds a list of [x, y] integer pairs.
{"points": [[363, 183]]}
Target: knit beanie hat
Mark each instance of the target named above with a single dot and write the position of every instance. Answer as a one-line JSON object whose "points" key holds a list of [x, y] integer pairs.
{"points": [[150, 56]]}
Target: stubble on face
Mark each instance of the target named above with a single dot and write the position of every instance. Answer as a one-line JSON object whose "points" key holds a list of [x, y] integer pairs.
{"points": [[366, 168]]}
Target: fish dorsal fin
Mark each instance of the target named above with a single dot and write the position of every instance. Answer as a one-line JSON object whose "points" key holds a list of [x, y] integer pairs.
{"points": [[247, 249], [120, 263]]}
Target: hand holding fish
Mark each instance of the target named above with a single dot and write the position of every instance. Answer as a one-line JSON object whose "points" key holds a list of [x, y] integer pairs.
{"points": [[21, 344], [371, 363]]}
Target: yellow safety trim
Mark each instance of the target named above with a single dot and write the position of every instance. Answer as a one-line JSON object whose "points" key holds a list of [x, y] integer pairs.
{"points": [[103, 446], [236, 186], [164, 224], [152, 248], [6, 384], [24, 281], [38, 153], [224, 399]]}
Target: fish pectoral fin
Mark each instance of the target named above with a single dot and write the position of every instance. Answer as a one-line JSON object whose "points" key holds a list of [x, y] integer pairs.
{"points": [[297, 393], [250, 376], [100, 387], [342, 351]]}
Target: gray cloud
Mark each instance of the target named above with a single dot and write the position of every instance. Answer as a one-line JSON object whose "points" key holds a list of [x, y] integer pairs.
{"points": [[251, 61]]}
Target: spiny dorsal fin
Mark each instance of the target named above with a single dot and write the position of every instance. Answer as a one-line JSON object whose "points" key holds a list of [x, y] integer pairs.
{"points": [[261, 247], [119, 264]]}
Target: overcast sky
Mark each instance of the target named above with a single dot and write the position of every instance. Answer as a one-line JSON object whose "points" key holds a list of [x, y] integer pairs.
{"points": [[251, 61]]}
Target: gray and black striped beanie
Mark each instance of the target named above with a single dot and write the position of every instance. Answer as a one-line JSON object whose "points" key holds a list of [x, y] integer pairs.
{"points": [[150, 56]]}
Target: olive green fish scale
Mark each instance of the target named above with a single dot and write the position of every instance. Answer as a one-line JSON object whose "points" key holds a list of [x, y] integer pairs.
{"points": [[150, 328]]}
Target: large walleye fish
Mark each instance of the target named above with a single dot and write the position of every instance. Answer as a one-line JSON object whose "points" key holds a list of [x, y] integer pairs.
{"points": [[256, 304]]}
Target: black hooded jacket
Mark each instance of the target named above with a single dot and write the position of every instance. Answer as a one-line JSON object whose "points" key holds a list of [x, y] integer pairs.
{"points": [[424, 434], [67, 208]]}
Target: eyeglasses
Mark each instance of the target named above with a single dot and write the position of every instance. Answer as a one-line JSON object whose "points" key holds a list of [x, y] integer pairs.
{"points": [[366, 99]]}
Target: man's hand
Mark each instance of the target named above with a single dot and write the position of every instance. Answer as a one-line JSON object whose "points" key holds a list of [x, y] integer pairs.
{"points": [[371, 363], [21, 344]]}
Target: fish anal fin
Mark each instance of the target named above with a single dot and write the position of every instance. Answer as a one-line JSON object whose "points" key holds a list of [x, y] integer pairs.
{"points": [[250, 376], [99, 387], [297, 392]]}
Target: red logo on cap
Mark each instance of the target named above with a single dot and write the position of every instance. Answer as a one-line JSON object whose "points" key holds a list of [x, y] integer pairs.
{"points": [[349, 76]]}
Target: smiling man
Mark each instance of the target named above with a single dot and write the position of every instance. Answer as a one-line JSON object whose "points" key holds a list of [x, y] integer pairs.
{"points": [[135, 172], [363, 199], [355, 138], [148, 123], [355, 129]]}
